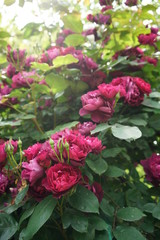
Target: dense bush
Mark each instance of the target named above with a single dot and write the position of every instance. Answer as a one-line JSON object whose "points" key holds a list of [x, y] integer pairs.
{"points": [[79, 126]]}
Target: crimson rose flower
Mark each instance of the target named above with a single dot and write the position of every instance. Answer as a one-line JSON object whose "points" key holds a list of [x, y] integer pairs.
{"points": [[86, 128], [61, 178], [32, 171], [131, 3], [152, 168], [97, 106], [145, 39], [32, 151], [135, 89]]}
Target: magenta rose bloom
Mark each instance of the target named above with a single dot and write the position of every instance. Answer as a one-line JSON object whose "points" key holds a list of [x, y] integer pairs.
{"points": [[3, 183], [86, 128], [149, 39], [61, 178], [97, 106], [32, 151], [132, 53], [10, 70], [131, 3], [135, 89], [22, 79], [29, 60], [32, 171], [154, 30], [97, 190], [106, 8], [150, 60], [110, 91], [152, 169], [95, 145], [77, 146]]}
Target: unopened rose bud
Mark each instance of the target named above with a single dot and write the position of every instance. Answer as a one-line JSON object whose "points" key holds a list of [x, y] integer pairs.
{"points": [[19, 143], [51, 142]]}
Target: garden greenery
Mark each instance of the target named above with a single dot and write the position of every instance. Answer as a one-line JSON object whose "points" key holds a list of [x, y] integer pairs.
{"points": [[79, 125]]}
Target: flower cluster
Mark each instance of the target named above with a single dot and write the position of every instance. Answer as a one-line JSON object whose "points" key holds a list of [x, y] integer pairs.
{"points": [[54, 166], [152, 168], [100, 103]]}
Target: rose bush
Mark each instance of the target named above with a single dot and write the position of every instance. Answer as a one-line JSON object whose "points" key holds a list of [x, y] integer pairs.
{"points": [[79, 124]]}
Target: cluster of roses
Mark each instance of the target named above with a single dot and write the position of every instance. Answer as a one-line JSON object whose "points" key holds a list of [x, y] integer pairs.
{"points": [[100, 103], [56, 165]]}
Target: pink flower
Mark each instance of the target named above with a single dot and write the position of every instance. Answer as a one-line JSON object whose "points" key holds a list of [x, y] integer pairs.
{"points": [[32, 151], [29, 60], [131, 3], [38, 191], [85, 128], [23, 79], [154, 30], [145, 39], [110, 91], [97, 190], [106, 8], [150, 60], [49, 55], [61, 178], [3, 183], [105, 2], [90, 64], [97, 106], [95, 144], [32, 171], [135, 89], [10, 70], [152, 168]]}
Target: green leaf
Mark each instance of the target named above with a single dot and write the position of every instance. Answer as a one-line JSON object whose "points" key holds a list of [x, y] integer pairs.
{"points": [[154, 95], [77, 220], [107, 208], [73, 22], [126, 132], [40, 66], [74, 40], [84, 236], [156, 212], [84, 200], [41, 214], [130, 214], [114, 171], [150, 103], [100, 127], [128, 233], [64, 60], [9, 2], [2, 59], [98, 166], [98, 223], [111, 152], [149, 207], [56, 82], [26, 214], [4, 34], [20, 196], [8, 226], [10, 123]]}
